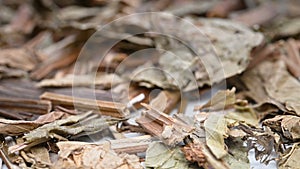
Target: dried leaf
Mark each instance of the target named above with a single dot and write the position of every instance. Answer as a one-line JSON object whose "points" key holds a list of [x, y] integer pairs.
{"points": [[261, 141], [159, 156], [78, 155], [72, 125], [260, 15], [151, 77], [38, 157], [18, 127], [223, 8], [233, 54], [290, 160], [215, 130], [166, 101], [221, 100], [61, 44], [278, 84], [244, 114], [237, 157], [288, 125], [193, 67], [285, 28]]}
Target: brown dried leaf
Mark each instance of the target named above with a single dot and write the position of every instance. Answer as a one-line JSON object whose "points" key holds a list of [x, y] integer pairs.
{"points": [[290, 160], [263, 142], [166, 101], [37, 157], [223, 47], [278, 84], [237, 157], [70, 126], [288, 125], [18, 127], [150, 78], [77, 155], [232, 48], [221, 100]]}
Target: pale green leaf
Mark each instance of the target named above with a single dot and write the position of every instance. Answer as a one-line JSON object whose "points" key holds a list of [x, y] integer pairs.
{"points": [[215, 130]]}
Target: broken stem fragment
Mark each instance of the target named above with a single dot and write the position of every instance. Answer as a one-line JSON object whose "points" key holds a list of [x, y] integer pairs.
{"points": [[107, 108]]}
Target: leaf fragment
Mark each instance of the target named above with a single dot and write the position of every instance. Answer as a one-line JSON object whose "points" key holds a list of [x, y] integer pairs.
{"points": [[77, 155], [215, 130], [19, 127], [288, 125], [72, 125], [159, 156]]}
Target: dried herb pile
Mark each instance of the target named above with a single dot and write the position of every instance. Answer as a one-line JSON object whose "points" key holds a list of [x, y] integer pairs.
{"points": [[110, 84]]}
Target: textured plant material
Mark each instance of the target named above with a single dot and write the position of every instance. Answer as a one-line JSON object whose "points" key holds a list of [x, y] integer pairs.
{"points": [[237, 157], [19, 127], [290, 159], [61, 57], [212, 160], [41, 52], [261, 141], [289, 53], [12, 107], [166, 101], [113, 109], [131, 145], [223, 8], [17, 105], [221, 100], [70, 126], [273, 86], [166, 128], [193, 153], [22, 89], [288, 125], [181, 67], [37, 157], [215, 132], [105, 80], [18, 58], [77, 155], [159, 156], [284, 28], [260, 15], [236, 49]]}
